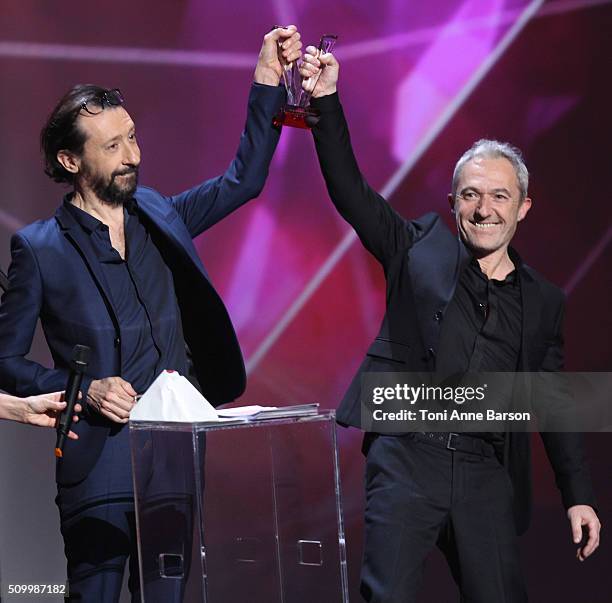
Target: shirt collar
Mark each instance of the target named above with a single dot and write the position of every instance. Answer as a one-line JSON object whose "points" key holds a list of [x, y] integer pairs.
{"points": [[88, 222], [512, 277], [131, 206]]}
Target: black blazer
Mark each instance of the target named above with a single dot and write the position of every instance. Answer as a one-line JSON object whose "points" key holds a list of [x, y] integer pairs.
{"points": [[423, 261]]}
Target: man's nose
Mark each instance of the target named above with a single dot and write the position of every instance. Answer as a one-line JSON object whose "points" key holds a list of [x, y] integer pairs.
{"points": [[131, 155], [483, 208]]}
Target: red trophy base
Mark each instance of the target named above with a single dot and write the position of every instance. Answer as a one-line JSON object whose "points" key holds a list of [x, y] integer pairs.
{"points": [[296, 117]]}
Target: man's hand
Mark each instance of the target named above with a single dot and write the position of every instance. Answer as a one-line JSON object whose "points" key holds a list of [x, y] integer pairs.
{"points": [[112, 397], [584, 515], [44, 411], [314, 64], [280, 48]]}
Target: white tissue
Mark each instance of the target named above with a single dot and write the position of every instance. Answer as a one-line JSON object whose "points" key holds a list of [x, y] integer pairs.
{"points": [[172, 398]]}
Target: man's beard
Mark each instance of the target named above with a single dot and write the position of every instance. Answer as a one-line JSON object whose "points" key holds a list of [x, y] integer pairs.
{"points": [[109, 191]]}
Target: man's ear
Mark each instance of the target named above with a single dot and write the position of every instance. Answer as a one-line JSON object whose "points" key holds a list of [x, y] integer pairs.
{"points": [[70, 162], [524, 207], [451, 202]]}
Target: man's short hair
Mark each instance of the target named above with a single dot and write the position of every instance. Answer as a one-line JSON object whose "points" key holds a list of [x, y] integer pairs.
{"points": [[493, 149], [62, 131]]}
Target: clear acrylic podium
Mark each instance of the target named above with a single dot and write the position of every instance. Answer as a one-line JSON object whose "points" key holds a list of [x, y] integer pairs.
{"points": [[239, 513]]}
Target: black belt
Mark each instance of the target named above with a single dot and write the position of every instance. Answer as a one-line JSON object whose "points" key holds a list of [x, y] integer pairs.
{"points": [[456, 441]]}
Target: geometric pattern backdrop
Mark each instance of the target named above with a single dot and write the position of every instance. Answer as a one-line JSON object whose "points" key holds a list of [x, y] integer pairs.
{"points": [[420, 81]]}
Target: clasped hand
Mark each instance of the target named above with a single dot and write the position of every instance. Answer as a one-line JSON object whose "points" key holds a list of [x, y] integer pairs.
{"points": [[112, 397]]}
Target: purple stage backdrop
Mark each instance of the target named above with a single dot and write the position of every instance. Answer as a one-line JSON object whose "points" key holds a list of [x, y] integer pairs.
{"points": [[420, 81]]}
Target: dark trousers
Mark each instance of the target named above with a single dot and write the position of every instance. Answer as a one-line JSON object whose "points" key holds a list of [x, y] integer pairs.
{"points": [[418, 496], [98, 526]]}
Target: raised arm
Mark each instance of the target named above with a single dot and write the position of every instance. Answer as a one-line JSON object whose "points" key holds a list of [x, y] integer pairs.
{"points": [[206, 204], [381, 229]]}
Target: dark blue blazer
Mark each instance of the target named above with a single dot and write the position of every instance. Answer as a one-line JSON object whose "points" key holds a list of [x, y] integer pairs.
{"points": [[55, 276], [423, 262]]}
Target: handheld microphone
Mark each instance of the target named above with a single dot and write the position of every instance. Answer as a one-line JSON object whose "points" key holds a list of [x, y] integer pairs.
{"points": [[80, 360]]}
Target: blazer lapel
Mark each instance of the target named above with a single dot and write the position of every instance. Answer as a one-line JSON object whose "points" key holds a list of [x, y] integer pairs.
{"points": [[82, 243], [163, 218], [531, 308], [436, 265]]}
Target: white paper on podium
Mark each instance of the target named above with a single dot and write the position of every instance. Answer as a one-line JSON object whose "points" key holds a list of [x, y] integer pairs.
{"points": [[172, 398], [243, 411]]}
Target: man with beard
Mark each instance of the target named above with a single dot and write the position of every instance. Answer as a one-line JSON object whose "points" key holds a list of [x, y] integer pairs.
{"points": [[115, 269]]}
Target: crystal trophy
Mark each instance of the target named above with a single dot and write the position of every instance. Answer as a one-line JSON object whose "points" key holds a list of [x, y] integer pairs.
{"points": [[297, 112]]}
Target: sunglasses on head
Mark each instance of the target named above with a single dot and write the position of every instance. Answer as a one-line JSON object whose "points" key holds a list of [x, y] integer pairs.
{"points": [[108, 98]]}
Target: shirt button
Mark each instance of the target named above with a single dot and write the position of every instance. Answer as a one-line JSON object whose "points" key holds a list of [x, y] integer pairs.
{"points": [[431, 352], [117, 341], [438, 316]]}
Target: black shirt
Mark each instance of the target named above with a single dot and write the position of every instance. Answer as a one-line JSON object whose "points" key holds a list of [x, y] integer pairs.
{"points": [[482, 327], [482, 324], [142, 294]]}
